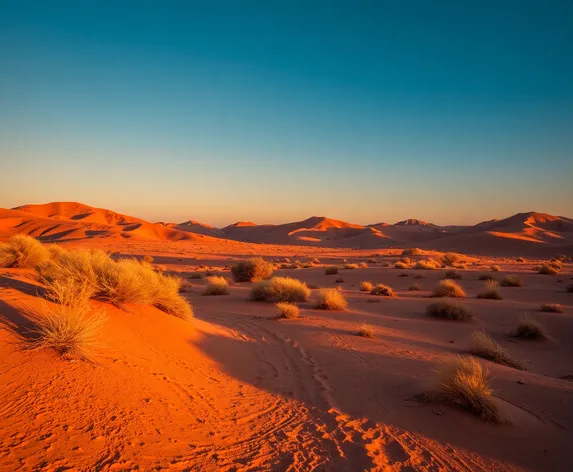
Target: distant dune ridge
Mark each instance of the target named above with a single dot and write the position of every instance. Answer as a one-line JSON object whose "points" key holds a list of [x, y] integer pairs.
{"points": [[524, 233]]}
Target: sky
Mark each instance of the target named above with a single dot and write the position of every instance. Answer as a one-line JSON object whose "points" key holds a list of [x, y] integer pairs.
{"points": [[273, 111]]}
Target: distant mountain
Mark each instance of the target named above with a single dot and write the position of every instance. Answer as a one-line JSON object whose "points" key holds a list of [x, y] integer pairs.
{"points": [[414, 222], [196, 227]]}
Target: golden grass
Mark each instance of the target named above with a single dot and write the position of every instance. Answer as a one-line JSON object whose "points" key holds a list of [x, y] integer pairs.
{"points": [[484, 346], [495, 268], [551, 308], [450, 258], [147, 258], [449, 311], [511, 281], [280, 289], [253, 269], [366, 286], [288, 311], [529, 329], [330, 299], [383, 291], [351, 266], [332, 270], [462, 381], [547, 269], [400, 265], [448, 288], [366, 331], [23, 251], [491, 291], [414, 251], [427, 264], [216, 285]]}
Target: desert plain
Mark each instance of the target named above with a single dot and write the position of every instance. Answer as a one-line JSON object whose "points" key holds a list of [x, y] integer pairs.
{"points": [[234, 388]]}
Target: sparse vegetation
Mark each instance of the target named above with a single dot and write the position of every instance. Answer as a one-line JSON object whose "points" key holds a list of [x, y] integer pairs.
{"points": [[366, 286], [491, 291], [452, 274], [280, 289], [196, 275], [382, 290], [414, 251], [548, 269], [415, 287], [529, 329], [486, 277], [22, 251], [450, 258], [148, 259], [484, 346], [427, 264], [449, 311], [339, 281], [366, 331], [288, 311], [551, 308], [330, 299], [216, 285], [495, 268], [400, 265], [448, 288], [351, 266], [362, 265], [332, 270], [511, 281], [253, 269]]}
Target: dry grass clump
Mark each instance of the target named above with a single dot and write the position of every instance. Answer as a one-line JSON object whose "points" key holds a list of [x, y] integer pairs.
{"points": [[551, 308], [23, 251], [287, 311], [448, 288], [450, 258], [548, 269], [70, 330], [511, 281], [147, 258], [491, 291], [415, 287], [449, 311], [495, 268], [316, 260], [520, 259], [484, 346], [405, 260], [118, 283], [351, 266], [400, 265], [452, 274], [486, 277], [366, 331], [330, 299], [427, 264], [253, 269], [196, 275], [464, 382], [382, 291], [366, 286], [280, 289], [414, 251], [362, 265], [216, 285], [332, 270], [529, 329]]}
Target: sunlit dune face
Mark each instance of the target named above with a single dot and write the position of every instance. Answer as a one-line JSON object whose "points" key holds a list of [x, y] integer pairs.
{"points": [[520, 237]]}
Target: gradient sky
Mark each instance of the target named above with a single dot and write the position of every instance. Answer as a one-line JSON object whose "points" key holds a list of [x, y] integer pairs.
{"points": [[273, 111]]}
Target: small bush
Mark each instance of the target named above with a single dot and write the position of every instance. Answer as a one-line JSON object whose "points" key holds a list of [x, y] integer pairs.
{"points": [[491, 291], [547, 269], [216, 285], [452, 274], [520, 259], [330, 299], [23, 251], [366, 286], [316, 260], [427, 264], [415, 287], [414, 251], [463, 382], [448, 288], [487, 277], [511, 281], [253, 269], [351, 266], [449, 311], [551, 308], [332, 270], [280, 289], [288, 311], [450, 258], [400, 265], [147, 258], [196, 275], [362, 265], [405, 260], [366, 331], [484, 346], [495, 268], [529, 329], [382, 290]]}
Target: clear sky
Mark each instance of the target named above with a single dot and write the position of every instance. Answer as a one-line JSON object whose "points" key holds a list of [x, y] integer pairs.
{"points": [[273, 111]]}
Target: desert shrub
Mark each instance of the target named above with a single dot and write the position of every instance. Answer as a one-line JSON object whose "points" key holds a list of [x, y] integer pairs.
{"points": [[491, 291], [23, 251], [280, 289], [547, 269], [253, 269], [484, 346], [384, 264], [462, 381], [450, 258], [332, 270], [448, 288], [405, 260], [415, 287], [196, 275], [495, 268], [287, 311], [511, 281], [551, 308], [449, 311], [383, 291], [366, 331], [427, 264], [452, 274], [486, 277], [520, 259], [555, 263], [366, 286], [400, 265], [147, 258], [362, 265], [216, 285], [351, 266], [371, 261], [529, 329], [316, 260], [414, 251], [185, 286], [330, 299]]}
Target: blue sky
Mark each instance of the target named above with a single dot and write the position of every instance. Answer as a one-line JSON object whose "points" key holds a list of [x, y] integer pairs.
{"points": [[366, 111]]}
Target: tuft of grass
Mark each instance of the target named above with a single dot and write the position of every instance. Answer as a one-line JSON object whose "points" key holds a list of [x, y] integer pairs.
{"points": [[520, 259], [415, 287], [462, 381], [362, 265], [287, 311], [449, 311], [486, 277], [551, 308], [366, 286], [452, 274], [382, 291], [351, 266], [23, 251], [414, 251], [147, 258], [495, 268], [427, 264], [280, 289], [547, 269], [196, 275], [400, 265], [491, 291], [450, 258], [332, 270], [330, 299], [253, 269], [529, 329], [511, 281], [405, 260], [484, 346], [216, 285], [448, 288], [366, 331]]}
